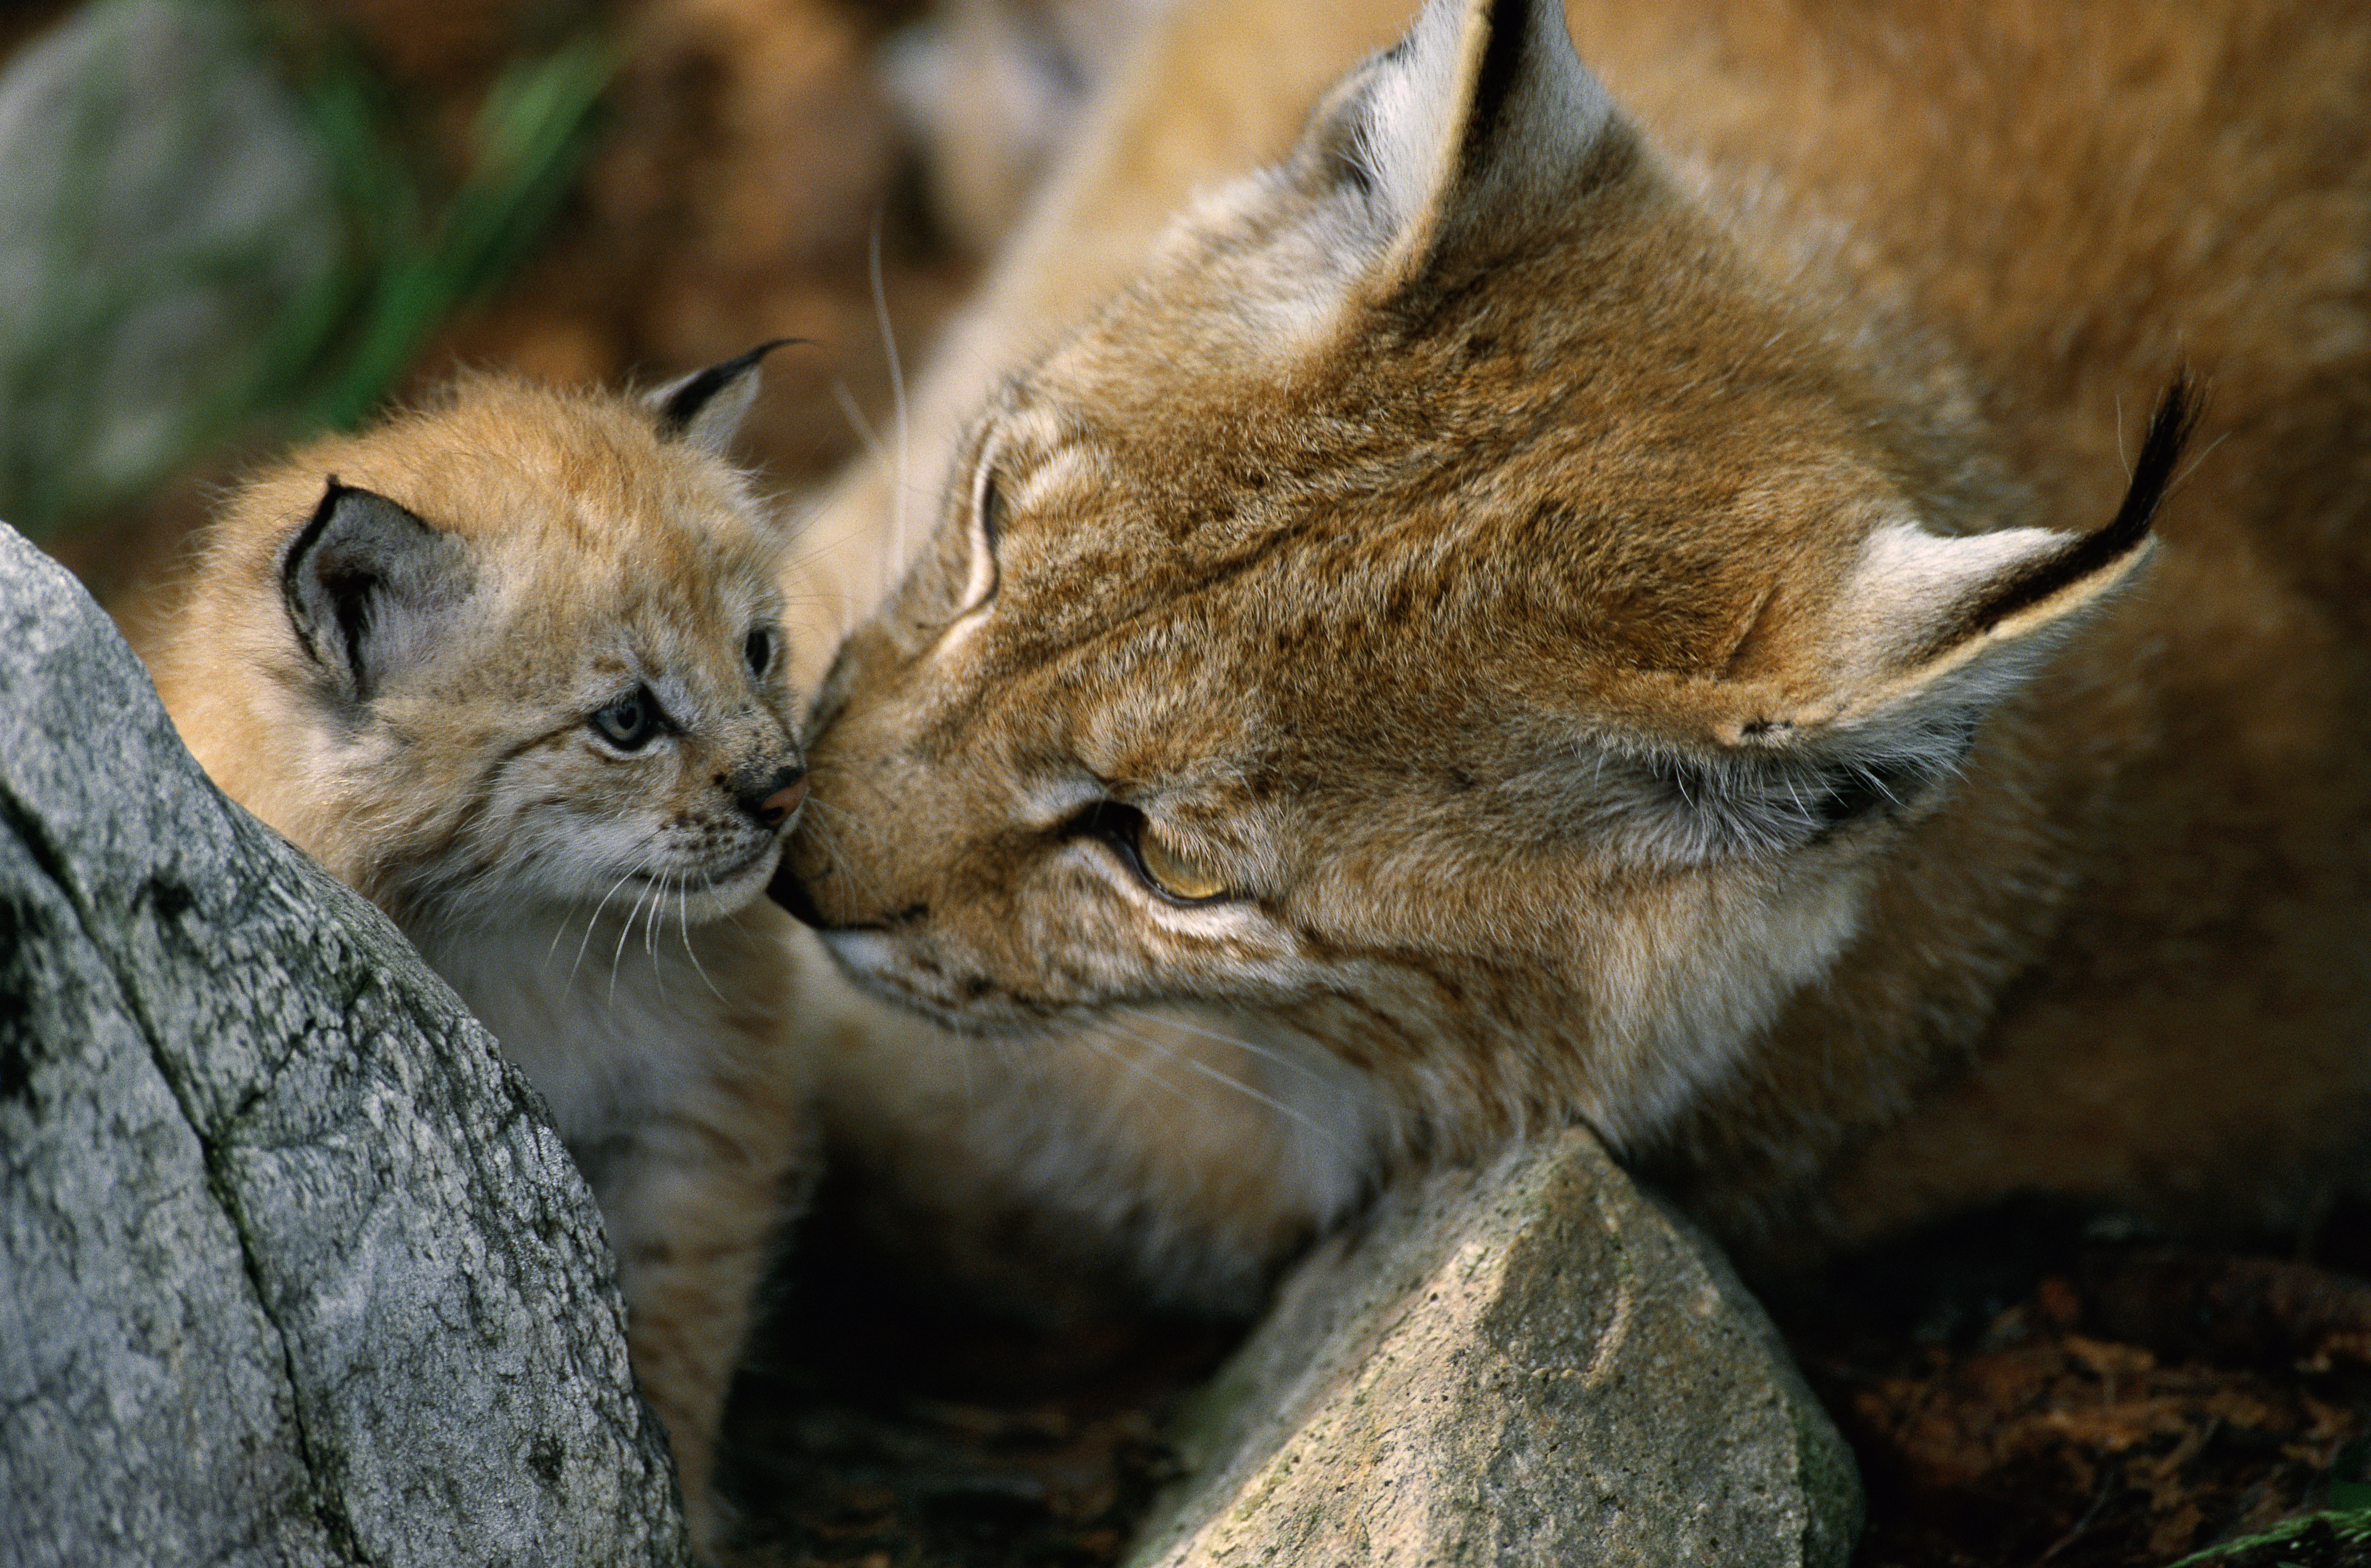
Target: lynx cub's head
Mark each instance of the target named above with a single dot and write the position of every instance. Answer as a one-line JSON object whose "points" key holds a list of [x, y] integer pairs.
{"points": [[1453, 602], [519, 648]]}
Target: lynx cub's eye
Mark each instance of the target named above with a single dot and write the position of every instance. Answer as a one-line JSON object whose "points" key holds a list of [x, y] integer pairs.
{"points": [[758, 649], [631, 723]]}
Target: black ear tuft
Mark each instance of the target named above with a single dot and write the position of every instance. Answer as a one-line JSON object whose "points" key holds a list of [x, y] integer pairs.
{"points": [[2179, 410], [368, 586], [1928, 634], [706, 407]]}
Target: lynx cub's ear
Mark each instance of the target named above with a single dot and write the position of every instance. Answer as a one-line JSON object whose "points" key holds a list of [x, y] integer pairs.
{"points": [[707, 406], [1926, 634], [1481, 118], [367, 587]]}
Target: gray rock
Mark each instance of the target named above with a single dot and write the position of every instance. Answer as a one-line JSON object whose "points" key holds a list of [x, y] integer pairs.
{"points": [[292, 1268], [1534, 1362]]}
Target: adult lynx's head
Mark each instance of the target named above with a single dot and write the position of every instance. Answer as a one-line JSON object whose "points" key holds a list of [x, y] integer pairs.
{"points": [[518, 648], [1453, 604]]}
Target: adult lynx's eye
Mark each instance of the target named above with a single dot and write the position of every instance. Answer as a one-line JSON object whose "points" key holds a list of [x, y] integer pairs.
{"points": [[631, 723], [1176, 874], [1184, 877]]}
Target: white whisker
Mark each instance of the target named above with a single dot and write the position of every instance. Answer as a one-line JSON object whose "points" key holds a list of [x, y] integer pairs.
{"points": [[854, 412], [897, 394], [683, 910], [650, 926], [1117, 1058], [1197, 1064], [595, 918], [625, 934], [1111, 1052], [1265, 1053], [2195, 463]]}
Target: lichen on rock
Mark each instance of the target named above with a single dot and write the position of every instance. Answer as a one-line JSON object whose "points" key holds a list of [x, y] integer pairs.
{"points": [[293, 1270]]}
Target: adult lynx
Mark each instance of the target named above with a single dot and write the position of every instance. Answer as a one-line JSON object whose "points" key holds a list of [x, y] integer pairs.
{"points": [[1640, 602], [511, 664]]}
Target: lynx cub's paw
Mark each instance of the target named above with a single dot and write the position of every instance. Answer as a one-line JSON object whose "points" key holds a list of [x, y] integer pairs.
{"points": [[511, 664]]}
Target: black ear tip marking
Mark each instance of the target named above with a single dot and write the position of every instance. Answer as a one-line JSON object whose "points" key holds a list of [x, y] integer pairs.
{"points": [[359, 559], [301, 545], [683, 405], [2178, 410], [741, 361]]}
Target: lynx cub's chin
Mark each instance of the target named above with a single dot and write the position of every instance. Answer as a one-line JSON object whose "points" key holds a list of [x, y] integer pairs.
{"points": [[1631, 600], [512, 665]]}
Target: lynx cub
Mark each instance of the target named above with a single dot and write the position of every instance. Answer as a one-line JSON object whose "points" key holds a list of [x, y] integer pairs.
{"points": [[511, 665], [1655, 601]]}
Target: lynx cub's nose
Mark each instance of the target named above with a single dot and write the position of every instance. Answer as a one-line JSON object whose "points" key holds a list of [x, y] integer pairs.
{"points": [[773, 800]]}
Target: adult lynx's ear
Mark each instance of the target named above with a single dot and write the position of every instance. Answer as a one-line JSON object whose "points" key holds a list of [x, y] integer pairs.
{"points": [[1480, 116], [1922, 612], [1881, 700], [707, 406], [368, 587]]}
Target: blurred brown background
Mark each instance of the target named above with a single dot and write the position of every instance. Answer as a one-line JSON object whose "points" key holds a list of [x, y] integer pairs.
{"points": [[741, 169]]}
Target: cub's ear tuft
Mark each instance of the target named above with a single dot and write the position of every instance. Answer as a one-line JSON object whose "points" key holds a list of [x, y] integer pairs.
{"points": [[369, 588], [706, 408], [1477, 122]]}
